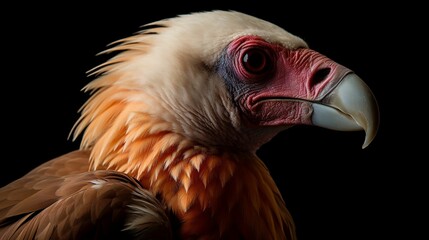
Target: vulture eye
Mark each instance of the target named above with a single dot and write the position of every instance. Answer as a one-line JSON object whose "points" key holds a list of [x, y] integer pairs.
{"points": [[255, 63]]}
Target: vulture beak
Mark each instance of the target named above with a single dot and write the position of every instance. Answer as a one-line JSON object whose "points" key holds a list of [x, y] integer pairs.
{"points": [[350, 106], [309, 88]]}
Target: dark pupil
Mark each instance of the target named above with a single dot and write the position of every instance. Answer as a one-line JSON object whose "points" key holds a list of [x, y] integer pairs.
{"points": [[254, 61]]}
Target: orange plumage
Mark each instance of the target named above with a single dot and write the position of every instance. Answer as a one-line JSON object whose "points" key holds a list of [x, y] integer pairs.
{"points": [[171, 132]]}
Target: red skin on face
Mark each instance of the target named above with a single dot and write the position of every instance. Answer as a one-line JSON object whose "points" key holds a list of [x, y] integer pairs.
{"points": [[282, 95]]}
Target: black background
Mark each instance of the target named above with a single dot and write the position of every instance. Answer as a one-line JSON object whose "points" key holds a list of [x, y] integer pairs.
{"points": [[333, 188]]}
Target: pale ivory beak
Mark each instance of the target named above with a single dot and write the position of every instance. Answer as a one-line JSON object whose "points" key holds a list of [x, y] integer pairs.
{"points": [[350, 106]]}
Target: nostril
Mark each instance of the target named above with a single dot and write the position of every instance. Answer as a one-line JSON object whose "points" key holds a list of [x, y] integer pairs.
{"points": [[320, 75]]}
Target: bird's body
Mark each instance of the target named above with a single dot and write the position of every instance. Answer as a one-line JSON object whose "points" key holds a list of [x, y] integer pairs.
{"points": [[171, 132]]}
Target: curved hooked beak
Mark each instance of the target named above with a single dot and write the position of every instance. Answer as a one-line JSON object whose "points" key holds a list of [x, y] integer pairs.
{"points": [[350, 106]]}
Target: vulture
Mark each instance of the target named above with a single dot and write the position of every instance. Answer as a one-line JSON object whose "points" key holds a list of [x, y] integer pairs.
{"points": [[171, 129]]}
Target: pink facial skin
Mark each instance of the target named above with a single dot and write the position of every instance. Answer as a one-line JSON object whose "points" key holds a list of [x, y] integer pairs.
{"points": [[278, 84]]}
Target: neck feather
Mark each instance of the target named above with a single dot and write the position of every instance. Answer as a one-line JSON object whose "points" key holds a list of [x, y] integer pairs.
{"points": [[223, 193]]}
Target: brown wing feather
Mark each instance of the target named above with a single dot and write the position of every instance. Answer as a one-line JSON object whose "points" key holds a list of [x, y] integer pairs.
{"points": [[62, 200]]}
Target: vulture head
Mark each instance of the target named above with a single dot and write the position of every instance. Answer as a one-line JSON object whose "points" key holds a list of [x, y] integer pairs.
{"points": [[224, 79], [185, 103]]}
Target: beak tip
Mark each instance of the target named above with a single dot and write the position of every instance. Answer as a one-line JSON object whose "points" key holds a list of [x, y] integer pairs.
{"points": [[369, 137], [353, 107], [366, 143], [371, 132]]}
